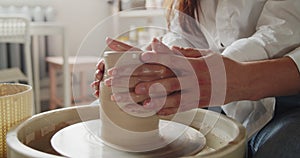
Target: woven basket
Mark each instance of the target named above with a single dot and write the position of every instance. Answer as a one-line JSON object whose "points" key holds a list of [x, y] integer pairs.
{"points": [[16, 105]]}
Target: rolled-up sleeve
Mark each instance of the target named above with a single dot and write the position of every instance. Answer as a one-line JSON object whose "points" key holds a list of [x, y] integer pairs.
{"points": [[295, 55], [277, 33]]}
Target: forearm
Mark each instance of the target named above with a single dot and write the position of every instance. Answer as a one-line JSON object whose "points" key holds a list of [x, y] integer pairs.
{"points": [[275, 77]]}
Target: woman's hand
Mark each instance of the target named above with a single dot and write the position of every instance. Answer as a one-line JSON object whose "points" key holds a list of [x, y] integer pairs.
{"points": [[120, 46], [113, 45], [213, 73], [220, 80], [147, 75], [144, 73], [181, 89]]}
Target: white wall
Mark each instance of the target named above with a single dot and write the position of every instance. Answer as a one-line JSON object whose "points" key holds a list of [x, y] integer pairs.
{"points": [[78, 17]]}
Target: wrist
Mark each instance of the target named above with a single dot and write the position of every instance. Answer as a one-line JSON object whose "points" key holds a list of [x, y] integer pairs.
{"points": [[238, 83], [255, 81]]}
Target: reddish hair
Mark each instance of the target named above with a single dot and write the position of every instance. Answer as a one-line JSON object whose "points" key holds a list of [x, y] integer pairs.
{"points": [[185, 7]]}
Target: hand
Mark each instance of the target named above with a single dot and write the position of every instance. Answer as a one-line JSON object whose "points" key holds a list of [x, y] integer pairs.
{"points": [[220, 80], [219, 67], [162, 75], [114, 45], [181, 89], [144, 73]]}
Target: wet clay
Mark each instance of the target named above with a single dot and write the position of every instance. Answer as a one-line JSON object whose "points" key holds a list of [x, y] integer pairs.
{"points": [[120, 127]]}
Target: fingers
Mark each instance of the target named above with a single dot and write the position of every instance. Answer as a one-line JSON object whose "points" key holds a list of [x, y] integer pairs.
{"points": [[119, 46], [98, 77], [130, 97], [149, 47], [181, 101], [170, 85], [143, 88], [95, 86], [154, 70], [159, 47], [187, 52], [99, 70], [126, 82], [100, 65], [174, 62], [96, 94], [131, 82], [191, 52], [114, 45], [176, 102]]}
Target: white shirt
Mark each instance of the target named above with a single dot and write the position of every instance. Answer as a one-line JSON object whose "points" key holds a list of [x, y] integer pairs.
{"points": [[295, 55], [245, 30]]}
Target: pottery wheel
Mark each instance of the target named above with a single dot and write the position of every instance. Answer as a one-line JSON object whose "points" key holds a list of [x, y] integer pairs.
{"points": [[81, 140]]}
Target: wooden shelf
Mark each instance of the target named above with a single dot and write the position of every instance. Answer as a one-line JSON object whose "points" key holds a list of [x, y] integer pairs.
{"points": [[142, 13]]}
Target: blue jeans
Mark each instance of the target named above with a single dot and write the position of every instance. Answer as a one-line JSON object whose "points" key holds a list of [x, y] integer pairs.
{"points": [[280, 138]]}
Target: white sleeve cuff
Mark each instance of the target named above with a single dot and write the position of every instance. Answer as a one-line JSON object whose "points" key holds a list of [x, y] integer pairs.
{"points": [[295, 55], [245, 50]]}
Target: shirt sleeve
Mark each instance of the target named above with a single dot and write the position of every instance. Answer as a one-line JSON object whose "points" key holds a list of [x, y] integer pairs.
{"points": [[277, 33], [295, 55]]}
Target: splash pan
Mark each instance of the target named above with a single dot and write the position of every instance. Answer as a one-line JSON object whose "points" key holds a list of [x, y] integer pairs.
{"points": [[32, 138]]}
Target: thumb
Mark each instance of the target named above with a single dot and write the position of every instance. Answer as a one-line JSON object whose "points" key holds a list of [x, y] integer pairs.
{"points": [[119, 46], [159, 47], [188, 52]]}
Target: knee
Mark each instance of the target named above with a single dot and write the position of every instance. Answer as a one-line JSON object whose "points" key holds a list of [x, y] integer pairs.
{"points": [[280, 138]]}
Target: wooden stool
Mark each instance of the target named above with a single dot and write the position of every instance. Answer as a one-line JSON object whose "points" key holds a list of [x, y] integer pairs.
{"points": [[83, 63]]}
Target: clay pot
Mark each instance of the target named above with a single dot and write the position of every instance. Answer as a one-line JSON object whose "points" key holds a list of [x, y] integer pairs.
{"points": [[123, 127]]}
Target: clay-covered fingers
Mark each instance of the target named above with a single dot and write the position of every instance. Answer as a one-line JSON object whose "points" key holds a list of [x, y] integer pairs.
{"points": [[119, 46]]}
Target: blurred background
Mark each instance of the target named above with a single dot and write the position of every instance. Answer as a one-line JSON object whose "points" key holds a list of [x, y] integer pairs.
{"points": [[55, 31]]}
